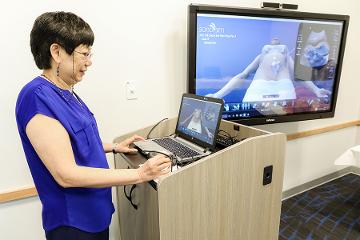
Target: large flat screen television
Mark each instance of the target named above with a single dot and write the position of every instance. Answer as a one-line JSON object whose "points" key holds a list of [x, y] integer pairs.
{"points": [[268, 65]]}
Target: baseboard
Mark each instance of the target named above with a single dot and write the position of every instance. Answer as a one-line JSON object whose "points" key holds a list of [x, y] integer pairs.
{"points": [[314, 183]]}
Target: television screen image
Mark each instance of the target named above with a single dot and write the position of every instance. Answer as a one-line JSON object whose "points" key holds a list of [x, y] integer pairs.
{"points": [[268, 66]]}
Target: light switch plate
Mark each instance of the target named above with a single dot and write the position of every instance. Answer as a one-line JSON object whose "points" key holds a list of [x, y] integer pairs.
{"points": [[130, 90]]}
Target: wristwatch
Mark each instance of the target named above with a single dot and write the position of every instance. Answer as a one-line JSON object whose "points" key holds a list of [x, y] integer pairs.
{"points": [[114, 147]]}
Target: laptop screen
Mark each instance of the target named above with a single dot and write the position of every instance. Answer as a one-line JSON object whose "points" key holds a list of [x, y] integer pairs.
{"points": [[199, 118]]}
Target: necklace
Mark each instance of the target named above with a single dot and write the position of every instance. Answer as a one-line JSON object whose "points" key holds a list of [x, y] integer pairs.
{"points": [[71, 90], [61, 90]]}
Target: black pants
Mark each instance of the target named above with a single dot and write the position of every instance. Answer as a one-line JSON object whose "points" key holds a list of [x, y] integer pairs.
{"points": [[71, 233]]}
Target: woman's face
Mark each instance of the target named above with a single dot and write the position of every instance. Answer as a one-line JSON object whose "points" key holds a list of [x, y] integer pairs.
{"points": [[73, 67]]}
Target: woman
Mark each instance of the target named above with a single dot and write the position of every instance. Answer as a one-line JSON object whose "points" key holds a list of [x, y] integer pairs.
{"points": [[60, 136]]}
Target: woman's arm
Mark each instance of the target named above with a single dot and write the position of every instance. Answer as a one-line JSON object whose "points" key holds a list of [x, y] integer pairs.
{"points": [[108, 147], [52, 143]]}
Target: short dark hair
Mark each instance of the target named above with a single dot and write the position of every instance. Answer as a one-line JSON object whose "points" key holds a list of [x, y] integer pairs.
{"points": [[64, 28]]}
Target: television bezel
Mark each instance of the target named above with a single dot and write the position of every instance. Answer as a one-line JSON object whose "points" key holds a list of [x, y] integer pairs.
{"points": [[265, 12]]}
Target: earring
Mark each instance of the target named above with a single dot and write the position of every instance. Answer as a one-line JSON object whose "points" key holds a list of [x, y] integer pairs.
{"points": [[58, 70]]}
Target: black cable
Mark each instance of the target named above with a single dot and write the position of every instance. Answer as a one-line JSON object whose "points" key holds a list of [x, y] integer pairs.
{"points": [[231, 138], [225, 133], [152, 129], [193, 159]]}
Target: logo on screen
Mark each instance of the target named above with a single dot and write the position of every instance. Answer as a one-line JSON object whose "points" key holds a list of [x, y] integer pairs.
{"points": [[211, 28]]}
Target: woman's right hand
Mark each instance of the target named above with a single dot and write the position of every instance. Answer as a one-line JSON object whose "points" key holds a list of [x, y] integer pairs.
{"points": [[154, 167]]}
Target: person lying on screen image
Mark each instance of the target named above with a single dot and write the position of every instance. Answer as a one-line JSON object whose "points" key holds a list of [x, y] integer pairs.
{"points": [[273, 78], [194, 123]]}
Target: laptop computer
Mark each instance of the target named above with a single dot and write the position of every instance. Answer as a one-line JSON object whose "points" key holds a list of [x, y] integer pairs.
{"points": [[196, 130]]}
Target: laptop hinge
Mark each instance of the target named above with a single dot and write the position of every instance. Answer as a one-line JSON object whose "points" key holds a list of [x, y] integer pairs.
{"points": [[206, 149]]}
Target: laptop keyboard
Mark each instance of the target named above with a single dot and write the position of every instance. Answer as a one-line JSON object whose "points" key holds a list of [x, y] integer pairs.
{"points": [[178, 149]]}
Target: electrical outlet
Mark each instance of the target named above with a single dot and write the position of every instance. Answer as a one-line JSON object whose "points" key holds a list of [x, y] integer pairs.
{"points": [[130, 90]]}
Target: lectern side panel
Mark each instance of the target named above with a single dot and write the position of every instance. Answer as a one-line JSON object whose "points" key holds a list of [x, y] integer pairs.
{"points": [[223, 196], [142, 222], [150, 228], [127, 214]]}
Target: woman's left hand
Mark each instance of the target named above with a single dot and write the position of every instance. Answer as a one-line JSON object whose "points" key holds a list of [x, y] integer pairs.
{"points": [[124, 146]]}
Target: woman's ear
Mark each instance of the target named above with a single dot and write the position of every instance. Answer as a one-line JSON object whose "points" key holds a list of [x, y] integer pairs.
{"points": [[55, 52]]}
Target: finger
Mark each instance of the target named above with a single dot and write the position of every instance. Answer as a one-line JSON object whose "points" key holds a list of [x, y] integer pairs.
{"points": [[132, 150], [163, 166], [126, 142], [138, 138], [165, 171], [129, 140], [159, 159], [160, 155], [154, 158], [163, 159]]}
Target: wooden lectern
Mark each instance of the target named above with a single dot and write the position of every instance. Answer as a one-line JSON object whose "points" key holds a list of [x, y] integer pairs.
{"points": [[234, 193]]}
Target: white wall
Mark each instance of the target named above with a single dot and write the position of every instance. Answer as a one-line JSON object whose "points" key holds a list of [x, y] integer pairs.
{"points": [[145, 42]]}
